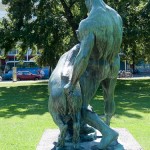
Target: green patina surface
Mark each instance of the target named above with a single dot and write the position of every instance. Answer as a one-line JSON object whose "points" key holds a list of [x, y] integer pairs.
{"points": [[79, 73]]}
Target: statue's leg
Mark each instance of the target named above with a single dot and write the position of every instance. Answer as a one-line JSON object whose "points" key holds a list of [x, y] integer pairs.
{"points": [[62, 127], [108, 86], [54, 99], [76, 129], [108, 134], [89, 84]]}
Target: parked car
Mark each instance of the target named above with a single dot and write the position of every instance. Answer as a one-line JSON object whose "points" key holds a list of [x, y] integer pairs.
{"points": [[7, 76], [27, 75]]}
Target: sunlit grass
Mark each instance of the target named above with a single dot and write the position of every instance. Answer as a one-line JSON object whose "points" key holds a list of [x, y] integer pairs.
{"points": [[24, 114], [132, 99]]}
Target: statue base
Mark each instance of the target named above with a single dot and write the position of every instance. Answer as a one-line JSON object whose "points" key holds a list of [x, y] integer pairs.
{"points": [[125, 141]]}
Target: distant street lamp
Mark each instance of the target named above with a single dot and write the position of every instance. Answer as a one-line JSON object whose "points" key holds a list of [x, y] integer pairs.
{"points": [[29, 51]]}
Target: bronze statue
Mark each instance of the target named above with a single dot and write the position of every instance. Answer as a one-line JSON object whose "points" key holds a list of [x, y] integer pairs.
{"points": [[64, 108], [96, 61]]}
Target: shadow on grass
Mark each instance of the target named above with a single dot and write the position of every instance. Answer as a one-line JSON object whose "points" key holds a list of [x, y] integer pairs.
{"points": [[131, 97], [23, 100]]}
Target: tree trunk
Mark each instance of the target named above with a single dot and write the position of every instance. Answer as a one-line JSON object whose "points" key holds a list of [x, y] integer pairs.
{"points": [[69, 16], [133, 59]]}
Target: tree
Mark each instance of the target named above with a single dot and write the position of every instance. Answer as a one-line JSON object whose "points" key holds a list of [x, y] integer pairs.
{"points": [[144, 23], [50, 26], [135, 15], [47, 25]]}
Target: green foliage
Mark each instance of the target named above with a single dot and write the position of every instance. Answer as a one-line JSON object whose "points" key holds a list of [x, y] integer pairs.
{"points": [[50, 26], [144, 22], [136, 16], [47, 24]]}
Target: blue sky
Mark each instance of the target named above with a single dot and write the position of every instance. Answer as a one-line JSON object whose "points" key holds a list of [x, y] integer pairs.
{"points": [[2, 10]]}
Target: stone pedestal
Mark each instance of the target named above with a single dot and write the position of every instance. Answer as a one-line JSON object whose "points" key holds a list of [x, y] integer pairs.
{"points": [[125, 141]]}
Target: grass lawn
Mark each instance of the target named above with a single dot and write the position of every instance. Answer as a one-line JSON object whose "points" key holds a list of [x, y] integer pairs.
{"points": [[24, 114]]}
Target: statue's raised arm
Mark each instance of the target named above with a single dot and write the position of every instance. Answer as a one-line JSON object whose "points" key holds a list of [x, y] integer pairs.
{"points": [[87, 42]]}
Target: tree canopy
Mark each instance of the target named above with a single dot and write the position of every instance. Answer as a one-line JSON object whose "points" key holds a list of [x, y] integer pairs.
{"points": [[50, 26]]}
